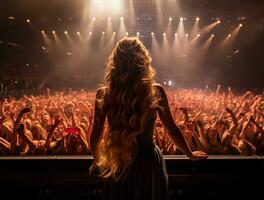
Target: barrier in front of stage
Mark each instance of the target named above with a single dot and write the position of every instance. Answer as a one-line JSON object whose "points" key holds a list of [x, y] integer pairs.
{"points": [[68, 177]]}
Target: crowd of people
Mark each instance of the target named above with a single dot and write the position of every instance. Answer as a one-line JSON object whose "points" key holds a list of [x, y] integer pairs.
{"points": [[57, 123]]}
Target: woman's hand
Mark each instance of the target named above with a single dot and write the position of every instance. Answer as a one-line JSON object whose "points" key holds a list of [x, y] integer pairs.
{"points": [[198, 155]]}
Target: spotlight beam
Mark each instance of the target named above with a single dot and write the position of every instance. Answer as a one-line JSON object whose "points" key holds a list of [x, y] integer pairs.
{"points": [[209, 27]]}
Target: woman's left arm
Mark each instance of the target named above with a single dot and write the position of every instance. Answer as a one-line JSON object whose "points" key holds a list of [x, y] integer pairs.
{"points": [[98, 123]]}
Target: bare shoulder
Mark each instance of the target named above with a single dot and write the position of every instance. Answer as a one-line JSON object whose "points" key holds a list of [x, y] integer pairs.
{"points": [[159, 89]]}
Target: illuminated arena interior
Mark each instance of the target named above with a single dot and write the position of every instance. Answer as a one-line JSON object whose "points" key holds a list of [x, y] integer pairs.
{"points": [[207, 54], [193, 43]]}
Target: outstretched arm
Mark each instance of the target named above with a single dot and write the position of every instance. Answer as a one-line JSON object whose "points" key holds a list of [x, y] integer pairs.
{"points": [[185, 113], [5, 146], [98, 124], [173, 130], [252, 119], [51, 131], [21, 131], [234, 119], [16, 126]]}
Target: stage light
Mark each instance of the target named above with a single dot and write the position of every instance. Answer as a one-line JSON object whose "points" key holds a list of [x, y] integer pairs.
{"points": [[152, 33], [198, 35], [170, 19], [11, 18], [94, 19], [229, 35], [42, 32], [53, 32], [65, 32], [114, 33], [109, 18], [103, 32], [90, 33], [212, 35], [28, 20], [181, 18], [218, 21], [240, 25], [121, 18], [186, 34], [78, 33], [164, 34], [197, 18], [137, 33], [176, 34], [126, 33]]}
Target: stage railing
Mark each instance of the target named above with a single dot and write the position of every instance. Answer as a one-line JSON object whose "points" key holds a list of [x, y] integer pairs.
{"points": [[67, 177]]}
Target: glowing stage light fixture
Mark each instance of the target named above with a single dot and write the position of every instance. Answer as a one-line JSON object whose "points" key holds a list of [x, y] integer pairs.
{"points": [[65, 32], [90, 33], [78, 33], [53, 32], [176, 34], [240, 25], [212, 35], [181, 18], [164, 34], [218, 21], [126, 33], [103, 32], [186, 35], [198, 35], [42, 32], [114, 33], [122, 18], [197, 19], [229, 35], [93, 18], [137, 33], [109, 18], [170, 19], [152, 33], [28, 20]]}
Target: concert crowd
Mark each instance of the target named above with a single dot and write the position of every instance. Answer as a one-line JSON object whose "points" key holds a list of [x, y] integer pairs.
{"points": [[58, 123]]}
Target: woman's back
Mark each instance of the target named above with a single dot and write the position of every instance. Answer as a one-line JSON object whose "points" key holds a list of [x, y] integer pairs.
{"points": [[125, 153], [147, 177]]}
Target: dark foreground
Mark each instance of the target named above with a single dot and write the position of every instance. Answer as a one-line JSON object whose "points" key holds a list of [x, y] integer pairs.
{"points": [[66, 177]]}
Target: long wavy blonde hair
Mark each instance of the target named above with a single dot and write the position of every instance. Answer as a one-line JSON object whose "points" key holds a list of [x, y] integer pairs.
{"points": [[129, 101]]}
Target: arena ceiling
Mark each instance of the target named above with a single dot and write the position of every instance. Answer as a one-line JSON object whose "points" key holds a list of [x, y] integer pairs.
{"points": [[74, 9], [22, 24]]}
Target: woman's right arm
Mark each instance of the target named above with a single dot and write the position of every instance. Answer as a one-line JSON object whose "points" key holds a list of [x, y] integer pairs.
{"points": [[173, 130], [98, 124]]}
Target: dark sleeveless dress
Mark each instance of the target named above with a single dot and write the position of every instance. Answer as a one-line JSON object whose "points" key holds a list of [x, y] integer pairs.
{"points": [[147, 178]]}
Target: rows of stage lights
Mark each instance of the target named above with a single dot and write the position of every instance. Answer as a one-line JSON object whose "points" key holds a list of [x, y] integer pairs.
{"points": [[206, 29]]}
